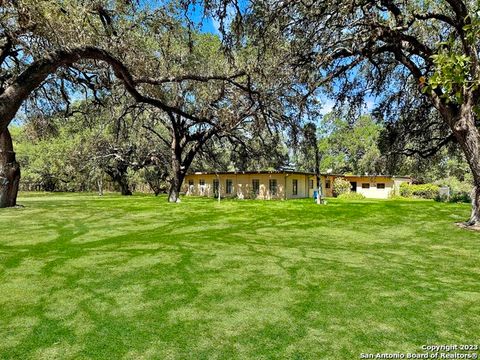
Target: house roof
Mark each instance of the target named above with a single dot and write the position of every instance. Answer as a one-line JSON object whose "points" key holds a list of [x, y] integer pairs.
{"points": [[290, 172], [251, 172]]}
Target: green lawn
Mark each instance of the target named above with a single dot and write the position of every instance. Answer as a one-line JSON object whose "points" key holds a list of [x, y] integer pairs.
{"points": [[85, 277]]}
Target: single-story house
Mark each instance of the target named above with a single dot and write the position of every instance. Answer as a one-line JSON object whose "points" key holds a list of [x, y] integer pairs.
{"points": [[285, 184]]}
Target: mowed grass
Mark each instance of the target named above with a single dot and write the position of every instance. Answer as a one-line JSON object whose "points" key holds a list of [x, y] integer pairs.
{"points": [[84, 277]]}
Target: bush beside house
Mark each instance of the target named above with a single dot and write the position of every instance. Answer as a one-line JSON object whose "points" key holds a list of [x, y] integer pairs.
{"points": [[341, 186], [459, 190], [422, 191]]}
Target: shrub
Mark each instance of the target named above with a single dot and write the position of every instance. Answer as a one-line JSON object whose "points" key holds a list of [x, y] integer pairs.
{"points": [[406, 190], [459, 190], [423, 191], [351, 196], [341, 186], [460, 198]]}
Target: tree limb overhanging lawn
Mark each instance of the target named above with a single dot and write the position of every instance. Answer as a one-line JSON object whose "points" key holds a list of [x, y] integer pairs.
{"points": [[84, 277]]}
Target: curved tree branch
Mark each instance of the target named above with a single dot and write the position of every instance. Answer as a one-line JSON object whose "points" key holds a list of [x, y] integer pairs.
{"points": [[31, 78]]}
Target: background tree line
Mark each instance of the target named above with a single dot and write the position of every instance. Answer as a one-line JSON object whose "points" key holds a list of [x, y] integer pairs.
{"points": [[117, 147]]}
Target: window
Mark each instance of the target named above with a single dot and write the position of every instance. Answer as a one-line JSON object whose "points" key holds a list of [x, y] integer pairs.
{"points": [[295, 187], [327, 184], [216, 185], [272, 185], [256, 186], [191, 183], [201, 182], [310, 182], [380, 186], [365, 186], [229, 186]]}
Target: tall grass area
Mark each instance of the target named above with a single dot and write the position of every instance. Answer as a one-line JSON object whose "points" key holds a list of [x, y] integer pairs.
{"points": [[84, 277]]}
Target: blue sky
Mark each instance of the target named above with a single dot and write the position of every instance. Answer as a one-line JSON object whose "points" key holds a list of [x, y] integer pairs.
{"points": [[196, 14], [328, 104], [208, 24]]}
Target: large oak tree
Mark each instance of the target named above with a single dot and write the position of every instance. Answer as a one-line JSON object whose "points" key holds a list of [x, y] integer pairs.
{"points": [[46, 45], [43, 46]]}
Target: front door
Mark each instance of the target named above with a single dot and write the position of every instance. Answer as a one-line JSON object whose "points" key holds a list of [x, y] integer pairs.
{"points": [[354, 186]]}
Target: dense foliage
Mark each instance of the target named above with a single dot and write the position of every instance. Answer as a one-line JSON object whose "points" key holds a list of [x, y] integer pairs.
{"points": [[350, 146], [459, 191], [424, 191], [341, 186]]}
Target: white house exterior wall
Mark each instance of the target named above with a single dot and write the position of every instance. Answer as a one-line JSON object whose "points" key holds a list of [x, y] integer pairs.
{"points": [[242, 185]]}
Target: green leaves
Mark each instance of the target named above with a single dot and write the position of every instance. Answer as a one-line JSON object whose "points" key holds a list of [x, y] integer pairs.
{"points": [[453, 70], [472, 29], [452, 75], [350, 147]]}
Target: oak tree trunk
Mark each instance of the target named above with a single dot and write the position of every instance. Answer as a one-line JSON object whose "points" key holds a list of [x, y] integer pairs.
{"points": [[317, 174], [175, 186], [9, 172], [119, 177], [124, 186], [183, 150], [475, 215], [468, 137], [177, 172], [100, 186]]}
